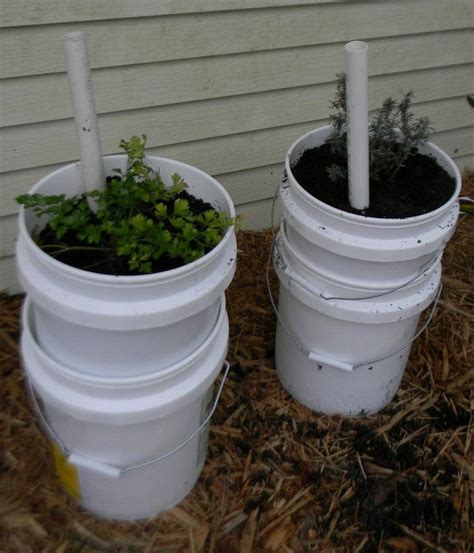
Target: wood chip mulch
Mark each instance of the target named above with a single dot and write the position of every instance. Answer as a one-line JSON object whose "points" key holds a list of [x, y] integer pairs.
{"points": [[278, 477]]}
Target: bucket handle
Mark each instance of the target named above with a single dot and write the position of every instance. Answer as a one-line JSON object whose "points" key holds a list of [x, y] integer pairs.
{"points": [[316, 292], [319, 358], [322, 360], [423, 269], [105, 467]]}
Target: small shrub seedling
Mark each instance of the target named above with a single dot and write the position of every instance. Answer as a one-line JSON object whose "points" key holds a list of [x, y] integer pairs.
{"points": [[140, 225], [394, 135], [405, 178]]}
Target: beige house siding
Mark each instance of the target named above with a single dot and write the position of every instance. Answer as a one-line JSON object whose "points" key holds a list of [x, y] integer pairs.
{"points": [[224, 85]]}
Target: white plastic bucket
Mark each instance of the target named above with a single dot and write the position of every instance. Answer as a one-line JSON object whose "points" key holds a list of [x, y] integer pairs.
{"points": [[124, 325], [344, 357], [127, 448], [350, 249]]}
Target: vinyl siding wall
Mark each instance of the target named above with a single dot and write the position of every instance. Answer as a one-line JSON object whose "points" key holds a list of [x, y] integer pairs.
{"points": [[224, 85]]}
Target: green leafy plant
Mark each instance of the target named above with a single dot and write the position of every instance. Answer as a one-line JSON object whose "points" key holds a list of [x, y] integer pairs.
{"points": [[139, 221], [394, 134]]}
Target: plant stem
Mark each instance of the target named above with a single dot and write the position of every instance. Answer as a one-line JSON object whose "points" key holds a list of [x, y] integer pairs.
{"points": [[75, 249]]}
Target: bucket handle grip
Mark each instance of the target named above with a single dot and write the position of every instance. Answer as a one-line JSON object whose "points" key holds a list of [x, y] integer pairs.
{"points": [[344, 365], [105, 467], [323, 360]]}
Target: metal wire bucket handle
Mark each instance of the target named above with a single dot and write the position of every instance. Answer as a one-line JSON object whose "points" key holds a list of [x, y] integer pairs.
{"points": [[315, 356], [110, 468], [324, 359], [423, 269]]}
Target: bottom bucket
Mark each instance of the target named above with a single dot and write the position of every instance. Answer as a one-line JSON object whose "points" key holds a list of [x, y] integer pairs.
{"points": [[127, 448], [345, 357]]}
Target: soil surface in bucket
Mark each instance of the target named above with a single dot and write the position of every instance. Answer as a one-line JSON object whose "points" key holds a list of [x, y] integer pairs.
{"points": [[77, 254], [420, 186]]}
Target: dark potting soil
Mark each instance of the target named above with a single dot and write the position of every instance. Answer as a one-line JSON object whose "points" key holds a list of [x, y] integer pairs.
{"points": [[99, 262], [405, 493], [420, 186]]}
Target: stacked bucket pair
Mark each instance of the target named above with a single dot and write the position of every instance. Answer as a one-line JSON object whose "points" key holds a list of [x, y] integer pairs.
{"points": [[122, 368], [352, 290]]}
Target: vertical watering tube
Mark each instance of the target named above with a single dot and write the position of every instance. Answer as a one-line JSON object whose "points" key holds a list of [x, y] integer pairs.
{"points": [[82, 94], [357, 123]]}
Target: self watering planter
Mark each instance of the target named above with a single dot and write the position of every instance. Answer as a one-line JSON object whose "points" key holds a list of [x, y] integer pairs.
{"points": [[124, 325], [352, 289], [127, 447]]}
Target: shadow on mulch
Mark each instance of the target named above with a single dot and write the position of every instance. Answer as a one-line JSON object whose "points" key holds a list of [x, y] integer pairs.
{"points": [[279, 477]]}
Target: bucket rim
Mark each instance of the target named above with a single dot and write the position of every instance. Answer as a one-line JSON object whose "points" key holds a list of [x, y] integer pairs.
{"points": [[363, 219], [340, 282], [389, 310], [143, 279], [112, 382]]}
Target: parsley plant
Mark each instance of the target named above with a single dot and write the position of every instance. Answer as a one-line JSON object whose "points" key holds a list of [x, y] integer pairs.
{"points": [[139, 220]]}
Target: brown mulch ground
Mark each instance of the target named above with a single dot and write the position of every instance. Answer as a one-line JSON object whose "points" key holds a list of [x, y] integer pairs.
{"points": [[279, 477]]}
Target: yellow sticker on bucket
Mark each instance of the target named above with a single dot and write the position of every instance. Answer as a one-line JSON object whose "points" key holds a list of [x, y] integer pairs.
{"points": [[67, 473]]}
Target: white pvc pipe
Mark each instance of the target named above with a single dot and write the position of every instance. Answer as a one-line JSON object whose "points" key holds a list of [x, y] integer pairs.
{"points": [[357, 123], [80, 83]]}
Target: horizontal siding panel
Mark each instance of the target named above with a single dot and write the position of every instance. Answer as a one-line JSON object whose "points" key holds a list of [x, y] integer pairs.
{"points": [[215, 155], [37, 50], [456, 143], [54, 142], [8, 234], [47, 97], [465, 163], [8, 276], [16, 13], [256, 215], [452, 113], [254, 186]]}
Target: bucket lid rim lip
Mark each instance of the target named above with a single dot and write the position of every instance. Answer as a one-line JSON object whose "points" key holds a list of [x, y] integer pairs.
{"points": [[111, 382], [293, 253], [354, 217], [377, 316], [362, 311], [102, 278]]}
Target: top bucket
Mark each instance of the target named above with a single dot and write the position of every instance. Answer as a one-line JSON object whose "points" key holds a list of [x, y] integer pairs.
{"points": [[125, 325], [364, 252]]}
